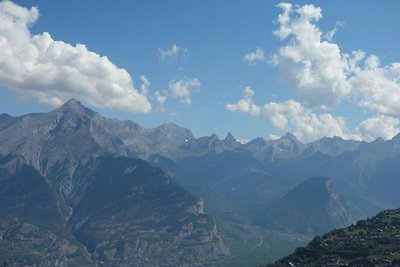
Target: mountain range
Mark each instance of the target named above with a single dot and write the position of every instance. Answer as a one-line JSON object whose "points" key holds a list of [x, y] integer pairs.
{"points": [[65, 185], [109, 192]]}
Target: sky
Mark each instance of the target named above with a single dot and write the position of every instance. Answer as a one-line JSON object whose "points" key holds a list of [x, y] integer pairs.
{"points": [[252, 68]]}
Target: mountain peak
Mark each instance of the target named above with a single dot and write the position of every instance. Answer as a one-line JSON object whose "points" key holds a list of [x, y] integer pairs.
{"points": [[258, 141], [214, 136], [75, 106], [229, 138], [337, 137], [72, 103], [289, 136], [311, 207]]}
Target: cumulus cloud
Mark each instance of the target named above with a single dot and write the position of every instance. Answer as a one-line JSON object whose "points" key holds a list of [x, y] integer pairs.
{"points": [[39, 68], [292, 116], [172, 53], [315, 68], [246, 104], [323, 77], [308, 126], [379, 126], [378, 88], [183, 89], [322, 74], [253, 58]]}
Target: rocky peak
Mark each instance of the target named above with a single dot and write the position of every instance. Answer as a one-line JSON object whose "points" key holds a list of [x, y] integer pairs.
{"points": [[214, 137], [173, 130], [73, 106], [337, 138], [229, 138], [230, 141], [290, 136], [285, 147], [259, 141]]}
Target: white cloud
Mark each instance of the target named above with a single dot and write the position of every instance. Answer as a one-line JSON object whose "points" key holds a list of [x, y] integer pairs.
{"points": [[329, 35], [379, 126], [172, 53], [145, 85], [246, 104], [274, 137], [183, 89], [39, 68], [316, 69], [253, 58], [292, 116], [160, 100], [308, 126], [378, 88], [324, 76]]}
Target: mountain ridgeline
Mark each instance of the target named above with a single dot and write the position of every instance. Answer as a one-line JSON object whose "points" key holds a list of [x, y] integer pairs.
{"points": [[105, 192]]}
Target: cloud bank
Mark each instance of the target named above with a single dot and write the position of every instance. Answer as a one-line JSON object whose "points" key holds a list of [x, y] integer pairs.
{"points": [[41, 69], [323, 77]]}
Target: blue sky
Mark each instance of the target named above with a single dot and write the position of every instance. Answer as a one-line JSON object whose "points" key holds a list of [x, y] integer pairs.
{"points": [[207, 70]]}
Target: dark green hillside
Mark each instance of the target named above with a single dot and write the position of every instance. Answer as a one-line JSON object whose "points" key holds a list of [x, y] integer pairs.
{"points": [[371, 242]]}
